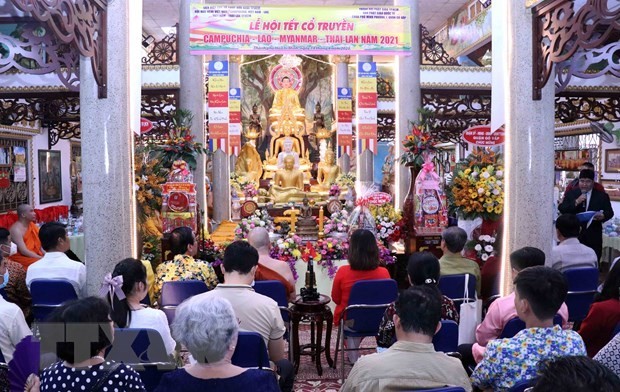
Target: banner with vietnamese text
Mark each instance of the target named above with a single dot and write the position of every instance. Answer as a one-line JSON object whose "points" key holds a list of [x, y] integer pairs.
{"points": [[239, 29], [366, 111], [344, 117], [234, 126], [218, 105]]}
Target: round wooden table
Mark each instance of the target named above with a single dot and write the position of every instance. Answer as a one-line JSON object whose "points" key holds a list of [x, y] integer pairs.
{"points": [[315, 312]]}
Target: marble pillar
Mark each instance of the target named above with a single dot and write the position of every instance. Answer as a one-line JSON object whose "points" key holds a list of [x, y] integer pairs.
{"points": [[221, 176], [528, 205], [192, 98], [108, 127], [342, 80], [408, 100], [366, 159]]}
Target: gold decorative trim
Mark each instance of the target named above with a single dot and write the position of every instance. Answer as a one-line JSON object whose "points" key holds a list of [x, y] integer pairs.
{"points": [[478, 86], [453, 68], [579, 127], [161, 67], [155, 86], [35, 89], [27, 132], [593, 88]]}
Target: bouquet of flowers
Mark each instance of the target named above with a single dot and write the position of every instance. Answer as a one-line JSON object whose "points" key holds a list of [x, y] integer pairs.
{"points": [[386, 219], [238, 181], [419, 141], [260, 218], [211, 252], [346, 180], [180, 142], [329, 250], [337, 223], [484, 247], [385, 256], [334, 190], [249, 190], [287, 249], [477, 188]]}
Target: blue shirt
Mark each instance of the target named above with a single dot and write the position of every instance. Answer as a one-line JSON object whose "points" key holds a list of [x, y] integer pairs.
{"points": [[508, 361], [251, 380]]}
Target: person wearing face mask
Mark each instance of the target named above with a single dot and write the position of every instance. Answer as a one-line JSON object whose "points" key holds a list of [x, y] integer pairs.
{"points": [[13, 327], [13, 275]]}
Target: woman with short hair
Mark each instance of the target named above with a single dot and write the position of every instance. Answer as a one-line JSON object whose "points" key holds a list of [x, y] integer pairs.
{"points": [[208, 328]]}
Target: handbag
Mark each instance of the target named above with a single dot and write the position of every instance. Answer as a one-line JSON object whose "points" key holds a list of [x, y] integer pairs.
{"points": [[470, 316]]}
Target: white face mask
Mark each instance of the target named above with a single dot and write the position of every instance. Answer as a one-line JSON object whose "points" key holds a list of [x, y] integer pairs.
{"points": [[13, 249]]}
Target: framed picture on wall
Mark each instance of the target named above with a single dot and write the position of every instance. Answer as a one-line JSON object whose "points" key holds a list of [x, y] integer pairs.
{"points": [[612, 160], [5, 156], [612, 188], [50, 177]]}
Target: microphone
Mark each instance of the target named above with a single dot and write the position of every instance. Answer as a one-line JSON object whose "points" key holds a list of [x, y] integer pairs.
{"points": [[583, 204]]}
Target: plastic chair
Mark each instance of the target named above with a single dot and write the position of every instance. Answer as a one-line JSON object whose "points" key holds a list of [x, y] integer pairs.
{"points": [[275, 290], [144, 350], [48, 294], [175, 292], [515, 325], [582, 285], [447, 339], [367, 303], [453, 287], [250, 351]]}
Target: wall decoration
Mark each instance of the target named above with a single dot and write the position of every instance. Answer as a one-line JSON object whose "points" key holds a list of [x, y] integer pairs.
{"points": [[5, 156], [612, 160], [50, 178], [571, 159], [612, 188], [19, 164]]}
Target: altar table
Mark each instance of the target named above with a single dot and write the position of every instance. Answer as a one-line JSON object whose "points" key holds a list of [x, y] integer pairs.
{"points": [[323, 281]]}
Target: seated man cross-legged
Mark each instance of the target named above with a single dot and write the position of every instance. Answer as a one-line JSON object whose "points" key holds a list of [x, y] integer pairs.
{"points": [[411, 362], [539, 293]]}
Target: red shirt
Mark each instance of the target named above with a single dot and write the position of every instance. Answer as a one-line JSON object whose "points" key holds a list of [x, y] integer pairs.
{"points": [[343, 282], [597, 327]]}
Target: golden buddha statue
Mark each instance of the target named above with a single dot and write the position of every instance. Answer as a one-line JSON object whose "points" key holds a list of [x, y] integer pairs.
{"points": [[289, 177], [285, 147], [286, 104], [249, 164], [328, 171]]}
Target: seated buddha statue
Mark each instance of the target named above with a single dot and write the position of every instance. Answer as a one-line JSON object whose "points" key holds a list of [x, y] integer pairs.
{"points": [[286, 104], [327, 172], [249, 164], [286, 147], [289, 177]]}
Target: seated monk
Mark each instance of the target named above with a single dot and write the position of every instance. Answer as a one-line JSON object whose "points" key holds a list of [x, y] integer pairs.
{"points": [[25, 234], [268, 268]]}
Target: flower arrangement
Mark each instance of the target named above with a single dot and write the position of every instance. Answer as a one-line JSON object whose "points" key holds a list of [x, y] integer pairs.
{"points": [[211, 252], [249, 190], [385, 256], [180, 142], [346, 180], [260, 218], [337, 223], [419, 141], [334, 190], [386, 220], [287, 249], [238, 181], [328, 251], [484, 247], [477, 188]]}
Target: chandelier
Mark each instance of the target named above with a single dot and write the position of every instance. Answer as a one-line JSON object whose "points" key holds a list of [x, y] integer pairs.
{"points": [[289, 61]]}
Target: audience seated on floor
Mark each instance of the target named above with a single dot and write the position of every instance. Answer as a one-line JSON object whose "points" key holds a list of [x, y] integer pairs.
{"points": [[255, 312], [183, 266], [13, 327], [575, 374], [453, 241], [539, 293], [25, 234], [422, 269], [503, 309], [604, 314], [127, 311], [570, 253], [207, 326], [411, 362], [55, 264], [610, 355], [78, 350], [363, 264], [15, 286], [268, 267]]}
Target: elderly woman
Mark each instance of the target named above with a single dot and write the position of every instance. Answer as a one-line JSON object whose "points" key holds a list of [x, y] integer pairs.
{"points": [[208, 327], [82, 366]]}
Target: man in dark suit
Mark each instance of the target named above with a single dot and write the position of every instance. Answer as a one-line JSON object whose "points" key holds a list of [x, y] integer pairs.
{"points": [[585, 198]]}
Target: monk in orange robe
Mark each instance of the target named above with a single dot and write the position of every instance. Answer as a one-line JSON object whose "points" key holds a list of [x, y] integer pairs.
{"points": [[25, 234]]}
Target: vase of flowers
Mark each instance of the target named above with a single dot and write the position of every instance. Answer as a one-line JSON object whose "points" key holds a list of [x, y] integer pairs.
{"points": [[249, 191], [337, 225]]}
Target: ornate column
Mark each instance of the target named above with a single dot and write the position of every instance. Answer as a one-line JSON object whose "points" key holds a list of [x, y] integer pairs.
{"points": [[408, 99], [221, 176], [108, 127], [528, 207], [192, 97], [342, 80], [365, 160]]}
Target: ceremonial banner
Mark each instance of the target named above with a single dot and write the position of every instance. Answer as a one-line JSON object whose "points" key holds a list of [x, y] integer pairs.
{"points": [[234, 125], [249, 29], [218, 105], [345, 118], [366, 111]]}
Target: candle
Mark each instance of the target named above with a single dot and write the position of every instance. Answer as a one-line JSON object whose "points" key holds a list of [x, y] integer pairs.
{"points": [[321, 218]]}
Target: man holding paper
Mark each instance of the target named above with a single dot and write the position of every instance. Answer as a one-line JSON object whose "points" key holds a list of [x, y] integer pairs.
{"points": [[584, 199]]}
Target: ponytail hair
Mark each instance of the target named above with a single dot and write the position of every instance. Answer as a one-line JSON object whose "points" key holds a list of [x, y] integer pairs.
{"points": [[132, 271]]}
